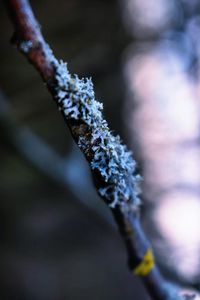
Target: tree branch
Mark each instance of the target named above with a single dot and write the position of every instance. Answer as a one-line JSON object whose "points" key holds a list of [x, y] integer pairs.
{"points": [[112, 165]]}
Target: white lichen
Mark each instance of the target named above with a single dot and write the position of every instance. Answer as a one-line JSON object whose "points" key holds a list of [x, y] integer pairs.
{"points": [[26, 46], [110, 158]]}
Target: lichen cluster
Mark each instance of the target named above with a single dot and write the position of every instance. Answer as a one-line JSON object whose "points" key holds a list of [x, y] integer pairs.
{"points": [[109, 157]]}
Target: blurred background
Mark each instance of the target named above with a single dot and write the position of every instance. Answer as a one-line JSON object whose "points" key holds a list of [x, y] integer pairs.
{"points": [[57, 238]]}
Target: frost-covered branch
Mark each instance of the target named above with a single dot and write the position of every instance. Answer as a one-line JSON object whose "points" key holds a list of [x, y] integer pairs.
{"points": [[112, 165]]}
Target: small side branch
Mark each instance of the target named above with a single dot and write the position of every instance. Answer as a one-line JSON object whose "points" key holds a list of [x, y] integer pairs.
{"points": [[112, 165]]}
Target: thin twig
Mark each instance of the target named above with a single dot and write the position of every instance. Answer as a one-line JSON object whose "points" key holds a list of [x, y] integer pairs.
{"points": [[111, 164]]}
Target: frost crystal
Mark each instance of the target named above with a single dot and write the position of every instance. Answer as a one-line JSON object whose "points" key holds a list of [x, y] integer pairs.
{"points": [[109, 157]]}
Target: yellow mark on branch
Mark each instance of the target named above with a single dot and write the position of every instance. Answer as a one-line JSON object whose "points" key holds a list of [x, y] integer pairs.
{"points": [[146, 265]]}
